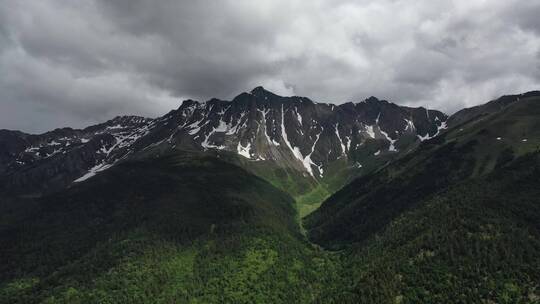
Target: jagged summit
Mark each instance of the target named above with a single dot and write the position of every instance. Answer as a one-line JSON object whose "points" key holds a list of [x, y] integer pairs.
{"points": [[259, 90], [372, 99]]}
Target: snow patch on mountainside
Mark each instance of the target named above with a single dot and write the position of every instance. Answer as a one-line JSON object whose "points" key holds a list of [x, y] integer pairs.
{"points": [[442, 126], [343, 151], [195, 127], [409, 125], [270, 141], [298, 117], [234, 129], [93, 171], [391, 148], [369, 131], [222, 127], [306, 162], [284, 135], [244, 151]]}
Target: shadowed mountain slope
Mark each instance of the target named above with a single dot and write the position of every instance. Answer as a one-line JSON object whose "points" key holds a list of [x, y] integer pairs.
{"points": [[175, 228]]}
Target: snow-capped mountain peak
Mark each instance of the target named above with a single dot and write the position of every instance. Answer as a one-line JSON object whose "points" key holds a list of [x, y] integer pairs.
{"points": [[290, 132]]}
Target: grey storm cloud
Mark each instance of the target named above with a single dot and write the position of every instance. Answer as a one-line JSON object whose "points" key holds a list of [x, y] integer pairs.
{"points": [[80, 62]]}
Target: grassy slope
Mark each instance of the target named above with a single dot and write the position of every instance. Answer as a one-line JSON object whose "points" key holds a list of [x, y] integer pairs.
{"points": [[179, 228]]}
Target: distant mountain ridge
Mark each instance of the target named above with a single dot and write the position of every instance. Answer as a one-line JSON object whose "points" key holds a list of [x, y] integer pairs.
{"points": [[493, 106], [293, 133]]}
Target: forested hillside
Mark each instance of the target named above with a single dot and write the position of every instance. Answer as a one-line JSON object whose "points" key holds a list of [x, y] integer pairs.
{"points": [[457, 221], [475, 242], [180, 228]]}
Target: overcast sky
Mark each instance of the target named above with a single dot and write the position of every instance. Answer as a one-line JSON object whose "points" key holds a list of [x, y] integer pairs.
{"points": [[74, 63]]}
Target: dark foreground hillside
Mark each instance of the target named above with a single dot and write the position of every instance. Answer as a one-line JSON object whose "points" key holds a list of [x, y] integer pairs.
{"points": [[192, 229], [457, 221], [476, 242], [177, 229]]}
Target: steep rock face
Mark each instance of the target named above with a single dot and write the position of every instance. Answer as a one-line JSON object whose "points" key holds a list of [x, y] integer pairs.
{"points": [[46, 162], [299, 132], [290, 132]]}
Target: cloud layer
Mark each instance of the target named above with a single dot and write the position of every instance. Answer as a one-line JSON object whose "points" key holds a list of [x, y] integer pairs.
{"points": [[80, 62]]}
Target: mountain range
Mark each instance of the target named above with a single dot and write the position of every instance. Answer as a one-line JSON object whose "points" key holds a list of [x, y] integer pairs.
{"points": [[293, 135], [218, 202]]}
